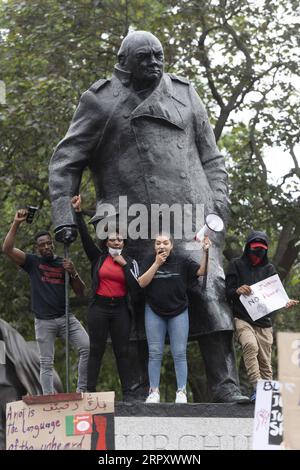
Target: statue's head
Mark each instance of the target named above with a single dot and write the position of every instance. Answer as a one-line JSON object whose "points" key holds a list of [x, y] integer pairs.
{"points": [[142, 55]]}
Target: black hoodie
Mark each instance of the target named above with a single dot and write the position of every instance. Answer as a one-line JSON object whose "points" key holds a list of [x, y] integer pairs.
{"points": [[240, 271]]}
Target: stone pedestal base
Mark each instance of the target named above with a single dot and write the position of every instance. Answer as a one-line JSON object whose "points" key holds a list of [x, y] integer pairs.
{"points": [[197, 426]]}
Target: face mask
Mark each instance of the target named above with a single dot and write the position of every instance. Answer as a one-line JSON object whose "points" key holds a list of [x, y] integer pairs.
{"points": [[259, 252], [256, 256], [114, 251]]}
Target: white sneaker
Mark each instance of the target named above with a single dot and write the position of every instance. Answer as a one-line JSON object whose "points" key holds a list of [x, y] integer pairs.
{"points": [[153, 397], [181, 396]]}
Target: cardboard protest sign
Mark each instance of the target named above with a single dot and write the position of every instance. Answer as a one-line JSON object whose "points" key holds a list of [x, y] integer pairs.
{"points": [[83, 424], [266, 297], [289, 375], [268, 422]]}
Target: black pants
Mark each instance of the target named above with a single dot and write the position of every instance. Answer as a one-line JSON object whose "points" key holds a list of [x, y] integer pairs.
{"points": [[109, 316]]}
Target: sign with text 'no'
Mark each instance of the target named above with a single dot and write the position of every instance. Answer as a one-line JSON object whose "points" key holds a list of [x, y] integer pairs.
{"points": [[266, 297]]}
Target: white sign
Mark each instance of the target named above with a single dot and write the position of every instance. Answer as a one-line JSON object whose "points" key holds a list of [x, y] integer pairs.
{"points": [[268, 423], [266, 297]]}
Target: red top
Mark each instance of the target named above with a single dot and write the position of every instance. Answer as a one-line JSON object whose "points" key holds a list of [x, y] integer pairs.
{"points": [[111, 279]]}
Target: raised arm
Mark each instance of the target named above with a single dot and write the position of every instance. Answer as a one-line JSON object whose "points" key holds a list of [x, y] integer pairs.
{"points": [[8, 247], [206, 243], [90, 248]]}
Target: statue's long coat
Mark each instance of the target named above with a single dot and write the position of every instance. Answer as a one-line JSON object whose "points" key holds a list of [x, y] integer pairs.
{"points": [[156, 150]]}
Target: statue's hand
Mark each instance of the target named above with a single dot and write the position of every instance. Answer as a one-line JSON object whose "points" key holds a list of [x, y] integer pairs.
{"points": [[66, 234]]}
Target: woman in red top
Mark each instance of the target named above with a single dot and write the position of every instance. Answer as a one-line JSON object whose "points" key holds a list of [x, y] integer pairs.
{"points": [[113, 276]]}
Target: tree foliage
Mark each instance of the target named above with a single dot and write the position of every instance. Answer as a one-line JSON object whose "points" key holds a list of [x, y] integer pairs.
{"points": [[241, 55]]}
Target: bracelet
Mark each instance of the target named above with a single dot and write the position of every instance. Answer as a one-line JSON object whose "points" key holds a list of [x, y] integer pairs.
{"points": [[74, 276]]}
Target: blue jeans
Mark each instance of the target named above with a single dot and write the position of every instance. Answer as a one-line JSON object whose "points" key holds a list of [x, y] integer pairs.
{"points": [[156, 329], [46, 332]]}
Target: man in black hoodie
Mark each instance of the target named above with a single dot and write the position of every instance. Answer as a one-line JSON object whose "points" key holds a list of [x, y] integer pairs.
{"points": [[255, 337]]}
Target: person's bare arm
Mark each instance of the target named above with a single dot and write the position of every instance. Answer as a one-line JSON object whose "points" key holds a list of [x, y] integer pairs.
{"points": [[76, 282], [89, 246], [147, 277], [206, 243], [8, 247]]}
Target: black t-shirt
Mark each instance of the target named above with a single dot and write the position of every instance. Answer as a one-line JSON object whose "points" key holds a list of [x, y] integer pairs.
{"points": [[47, 281], [166, 293]]}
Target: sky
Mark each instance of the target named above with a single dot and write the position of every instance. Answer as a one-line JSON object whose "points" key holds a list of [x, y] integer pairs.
{"points": [[278, 162]]}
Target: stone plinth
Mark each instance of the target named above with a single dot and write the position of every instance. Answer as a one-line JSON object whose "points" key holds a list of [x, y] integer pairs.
{"points": [[197, 426]]}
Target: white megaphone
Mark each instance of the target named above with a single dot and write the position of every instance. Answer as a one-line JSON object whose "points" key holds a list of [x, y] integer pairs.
{"points": [[213, 223]]}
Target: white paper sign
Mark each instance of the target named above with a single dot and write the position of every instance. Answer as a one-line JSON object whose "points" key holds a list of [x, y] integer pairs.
{"points": [[267, 296], [268, 423]]}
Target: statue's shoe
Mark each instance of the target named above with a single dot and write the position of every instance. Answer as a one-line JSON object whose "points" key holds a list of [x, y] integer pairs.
{"points": [[235, 398]]}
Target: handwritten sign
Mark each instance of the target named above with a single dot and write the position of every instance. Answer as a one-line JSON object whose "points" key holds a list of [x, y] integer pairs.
{"points": [[289, 374], [67, 425], [268, 422], [267, 296]]}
